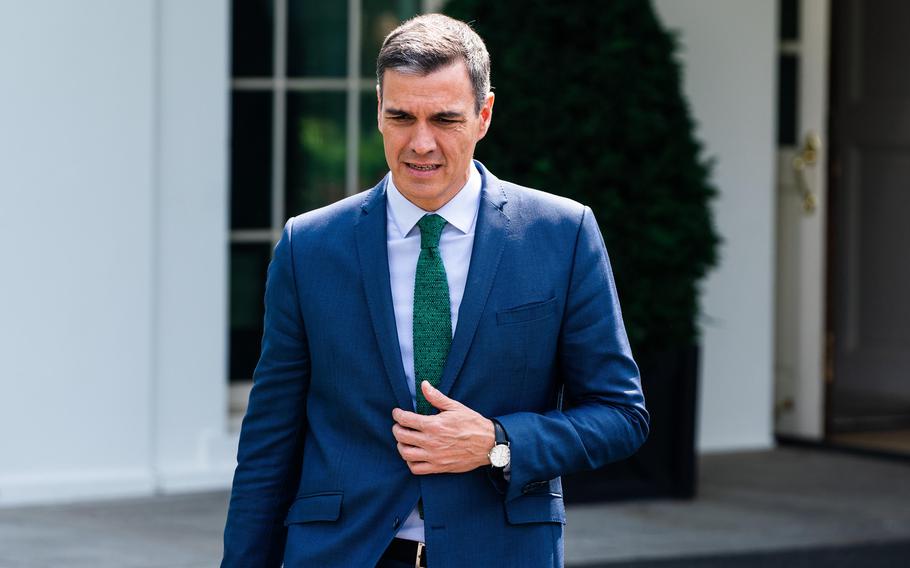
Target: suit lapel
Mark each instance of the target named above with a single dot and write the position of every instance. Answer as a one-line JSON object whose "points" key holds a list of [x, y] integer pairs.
{"points": [[372, 251], [489, 239]]}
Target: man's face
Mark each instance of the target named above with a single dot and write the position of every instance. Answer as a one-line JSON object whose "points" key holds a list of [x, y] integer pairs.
{"points": [[429, 130]]}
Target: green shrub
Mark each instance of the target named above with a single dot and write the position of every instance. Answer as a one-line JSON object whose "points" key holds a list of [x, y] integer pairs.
{"points": [[589, 105]]}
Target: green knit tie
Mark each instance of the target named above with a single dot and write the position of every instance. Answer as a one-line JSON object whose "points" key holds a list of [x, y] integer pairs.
{"points": [[432, 318]]}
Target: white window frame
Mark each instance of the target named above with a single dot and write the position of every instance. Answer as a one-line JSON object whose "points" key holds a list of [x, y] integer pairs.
{"points": [[279, 84]]}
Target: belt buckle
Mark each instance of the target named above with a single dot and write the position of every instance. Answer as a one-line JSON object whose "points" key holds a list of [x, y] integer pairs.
{"points": [[421, 550]]}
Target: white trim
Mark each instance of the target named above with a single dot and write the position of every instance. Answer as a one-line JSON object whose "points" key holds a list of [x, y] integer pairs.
{"points": [[187, 480], [214, 469], [155, 212], [352, 139], [303, 84], [717, 447], [279, 85], [790, 47], [71, 486], [279, 113], [800, 265], [256, 236]]}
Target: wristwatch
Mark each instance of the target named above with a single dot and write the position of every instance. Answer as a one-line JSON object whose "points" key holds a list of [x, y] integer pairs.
{"points": [[500, 455]]}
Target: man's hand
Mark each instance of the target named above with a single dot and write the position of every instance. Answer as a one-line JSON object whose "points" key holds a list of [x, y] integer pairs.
{"points": [[454, 441]]}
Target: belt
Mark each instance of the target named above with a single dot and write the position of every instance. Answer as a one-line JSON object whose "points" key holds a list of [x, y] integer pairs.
{"points": [[408, 551]]}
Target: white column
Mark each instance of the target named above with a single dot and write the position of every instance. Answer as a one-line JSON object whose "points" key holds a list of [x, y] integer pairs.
{"points": [[76, 242], [192, 449]]}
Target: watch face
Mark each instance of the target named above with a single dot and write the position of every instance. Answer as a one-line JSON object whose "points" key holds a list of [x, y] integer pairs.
{"points": [[500, 455]]}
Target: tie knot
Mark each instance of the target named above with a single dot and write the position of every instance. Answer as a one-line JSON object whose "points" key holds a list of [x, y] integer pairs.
{"points": [[430, 229]]}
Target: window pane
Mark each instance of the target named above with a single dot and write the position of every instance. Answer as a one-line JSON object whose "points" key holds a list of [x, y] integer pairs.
{"points": [[252, 36], [315, 150], [789, 19], [372, 166], [251, 159], [379, 18], [249, 265], [787, 95], [317, 38]]}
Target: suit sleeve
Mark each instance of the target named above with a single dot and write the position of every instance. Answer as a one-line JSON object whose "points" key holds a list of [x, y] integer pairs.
{"points": [[269, 457], [606, 420]]}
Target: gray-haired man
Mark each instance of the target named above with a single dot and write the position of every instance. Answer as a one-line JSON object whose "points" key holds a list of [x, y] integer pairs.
{"points": [[405, 408]]}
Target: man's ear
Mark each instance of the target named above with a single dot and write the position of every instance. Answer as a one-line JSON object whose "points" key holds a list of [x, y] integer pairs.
{"points": [[486, 114]]}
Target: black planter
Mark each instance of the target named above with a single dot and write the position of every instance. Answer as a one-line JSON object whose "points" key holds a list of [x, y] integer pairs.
{"points": [[665, 464]]}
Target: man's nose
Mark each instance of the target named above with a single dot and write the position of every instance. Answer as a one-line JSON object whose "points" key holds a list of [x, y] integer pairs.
{"points": [[423, 141]]}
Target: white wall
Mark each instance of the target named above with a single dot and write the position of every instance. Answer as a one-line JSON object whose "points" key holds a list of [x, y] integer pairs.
{"points": [[113, 238], [729, 54], [76, 298], [192, 219], [113, 241]]}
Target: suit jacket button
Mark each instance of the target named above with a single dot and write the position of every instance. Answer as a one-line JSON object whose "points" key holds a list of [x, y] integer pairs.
{"points": [[396, 523]]}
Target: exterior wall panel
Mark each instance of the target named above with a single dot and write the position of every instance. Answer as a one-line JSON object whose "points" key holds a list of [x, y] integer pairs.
{"points": [[729, 52]]}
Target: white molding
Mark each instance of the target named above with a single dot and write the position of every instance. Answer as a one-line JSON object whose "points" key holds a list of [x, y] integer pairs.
{"points": [[279, 114], [215, 469], [193, 479], [74, 486], [801, 243], [735, 444], [725, 447], [59, 488], [352, 138], [302, 84], [271, 236]]}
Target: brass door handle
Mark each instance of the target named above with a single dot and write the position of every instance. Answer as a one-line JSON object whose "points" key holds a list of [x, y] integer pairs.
{"points": [[806, 157]]}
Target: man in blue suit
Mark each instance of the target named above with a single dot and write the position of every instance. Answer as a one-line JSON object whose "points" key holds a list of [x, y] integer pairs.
{"points": [[420, 342]]}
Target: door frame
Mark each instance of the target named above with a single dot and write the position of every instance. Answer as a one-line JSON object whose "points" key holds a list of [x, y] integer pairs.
{"points": [[802, 370]]}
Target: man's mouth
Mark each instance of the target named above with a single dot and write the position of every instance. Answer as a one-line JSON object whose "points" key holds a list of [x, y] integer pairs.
{"points": [[423, 167]]}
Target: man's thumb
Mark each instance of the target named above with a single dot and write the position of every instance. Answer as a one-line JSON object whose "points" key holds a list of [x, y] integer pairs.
{"points": [[436, 398]]}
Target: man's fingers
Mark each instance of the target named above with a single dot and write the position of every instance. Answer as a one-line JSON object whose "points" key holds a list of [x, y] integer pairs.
{"points": [[422, 468], [437, 399], [408, 436], [410, 420], [412, 453]]}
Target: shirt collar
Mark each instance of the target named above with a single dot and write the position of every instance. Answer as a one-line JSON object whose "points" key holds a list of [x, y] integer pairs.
{"points": [[460, 211]]}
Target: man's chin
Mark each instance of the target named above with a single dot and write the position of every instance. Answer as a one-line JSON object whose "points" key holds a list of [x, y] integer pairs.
{"points": [[417, 186], [428, 197]]}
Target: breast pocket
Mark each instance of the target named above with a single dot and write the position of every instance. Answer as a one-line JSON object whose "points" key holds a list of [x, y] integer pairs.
{"points": [[525, 339], [527, 312]]}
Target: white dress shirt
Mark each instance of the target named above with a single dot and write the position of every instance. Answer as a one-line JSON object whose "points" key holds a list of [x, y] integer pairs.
{"points": [[455, 245]]}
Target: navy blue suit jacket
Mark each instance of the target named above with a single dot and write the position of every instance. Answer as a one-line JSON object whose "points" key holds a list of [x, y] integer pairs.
{"points": [[319, 481]]}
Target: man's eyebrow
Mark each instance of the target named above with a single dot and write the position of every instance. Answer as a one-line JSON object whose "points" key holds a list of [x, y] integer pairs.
{"points": [[449, 115], [396, 112], [445, 114]]}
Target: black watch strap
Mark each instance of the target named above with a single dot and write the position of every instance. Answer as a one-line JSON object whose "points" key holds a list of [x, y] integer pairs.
{"points": [[500, 433]]}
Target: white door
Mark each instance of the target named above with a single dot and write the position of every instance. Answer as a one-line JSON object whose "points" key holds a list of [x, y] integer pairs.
{"points": [[800, 344]]}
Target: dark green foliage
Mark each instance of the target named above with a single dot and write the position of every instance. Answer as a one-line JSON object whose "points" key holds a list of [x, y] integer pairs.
{"points": [[589, 105]]}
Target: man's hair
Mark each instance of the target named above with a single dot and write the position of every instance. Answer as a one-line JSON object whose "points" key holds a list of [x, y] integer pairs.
{"points": [[430, 42]]}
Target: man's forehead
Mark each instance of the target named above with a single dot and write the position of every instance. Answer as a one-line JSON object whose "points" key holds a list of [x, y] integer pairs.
{"points": [[446, 89], [455, 67]]}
